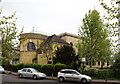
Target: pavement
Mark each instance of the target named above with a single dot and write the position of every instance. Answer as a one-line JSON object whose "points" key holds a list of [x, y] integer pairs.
{"points": [[93, 81]]}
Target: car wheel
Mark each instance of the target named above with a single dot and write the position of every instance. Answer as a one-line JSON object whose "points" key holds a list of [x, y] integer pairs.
{"points": [[20, 75], [83, 80], [34, 77], [61, 79]]}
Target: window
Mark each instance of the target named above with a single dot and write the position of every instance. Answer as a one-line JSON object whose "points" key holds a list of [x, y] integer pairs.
{"points": [[98, 62], [93, 62], [29, 70], [107, 63], [24, 70], [75, 73], [66, 72], [71, 44], [31, 46]]}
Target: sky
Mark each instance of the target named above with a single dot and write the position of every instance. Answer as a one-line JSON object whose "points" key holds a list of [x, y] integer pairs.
{"points": [[50, 16]]}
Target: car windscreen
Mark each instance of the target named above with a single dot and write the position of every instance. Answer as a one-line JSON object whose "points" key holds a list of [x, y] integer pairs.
{"points": [[1, 67], [34, 70]]}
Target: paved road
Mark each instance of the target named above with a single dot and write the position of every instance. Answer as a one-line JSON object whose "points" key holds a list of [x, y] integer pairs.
{"points": [[11, 79]]}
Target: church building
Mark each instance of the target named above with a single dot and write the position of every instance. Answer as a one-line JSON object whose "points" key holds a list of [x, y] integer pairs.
{"points": [[36, 46]]}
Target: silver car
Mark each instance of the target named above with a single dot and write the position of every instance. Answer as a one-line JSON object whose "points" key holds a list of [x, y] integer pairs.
{"points": [[31, 73], [2, 69], [72, 75]]}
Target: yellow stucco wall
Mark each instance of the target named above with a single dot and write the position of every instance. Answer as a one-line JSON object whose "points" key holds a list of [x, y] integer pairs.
{"points": [[27, 57], [71, 39], [23, 46], [41, 59], [99, 66]]}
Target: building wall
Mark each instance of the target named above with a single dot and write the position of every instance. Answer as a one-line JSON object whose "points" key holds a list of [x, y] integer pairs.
{"points": [[71, 39], [99, 65], [27, 56], [41, 59], [37, 42]]}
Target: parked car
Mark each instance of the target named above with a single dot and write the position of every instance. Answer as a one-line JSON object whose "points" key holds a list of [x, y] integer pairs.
{"points": [[2, 69], [31, 73], [72, 75]]}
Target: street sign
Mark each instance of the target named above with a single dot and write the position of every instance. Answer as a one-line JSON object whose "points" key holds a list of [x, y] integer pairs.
{"points": [[83, 59]]}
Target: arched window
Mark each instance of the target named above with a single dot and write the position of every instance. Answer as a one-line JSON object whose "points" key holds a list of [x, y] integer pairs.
{"points": [[31, 46], [98, 62], [71, 44]]}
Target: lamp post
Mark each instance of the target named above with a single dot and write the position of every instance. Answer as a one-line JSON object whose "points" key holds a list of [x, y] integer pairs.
{"points": [[83, 60]]}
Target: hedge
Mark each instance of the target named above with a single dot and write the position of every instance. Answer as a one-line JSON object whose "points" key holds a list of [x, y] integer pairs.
{"points": [[48, 69], [58, 67], [103, 73]]}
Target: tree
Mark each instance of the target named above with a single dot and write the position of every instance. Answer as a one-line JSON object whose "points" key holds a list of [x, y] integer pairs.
{"points": [[112, 9], [65, 55], [113, 13], [116, 64], [9, 35], [94, 36]]}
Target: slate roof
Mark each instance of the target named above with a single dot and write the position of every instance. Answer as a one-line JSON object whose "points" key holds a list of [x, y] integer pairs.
{"points": [[55, 39], [51, 39], [68, 34]]}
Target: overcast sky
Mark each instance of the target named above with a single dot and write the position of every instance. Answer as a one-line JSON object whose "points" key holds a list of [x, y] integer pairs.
{"points": [[50, 16]]}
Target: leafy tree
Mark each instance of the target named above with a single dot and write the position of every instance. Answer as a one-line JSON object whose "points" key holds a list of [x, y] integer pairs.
{"points": [[113, 13], [9, 35], [65, 55], [116, 64], [111, 8], [94, 35]]}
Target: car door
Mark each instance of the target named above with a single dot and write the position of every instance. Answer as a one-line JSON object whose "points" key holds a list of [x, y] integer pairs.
{"points": [[29, 73], [24, 72], [75, 76], [68, 75]]}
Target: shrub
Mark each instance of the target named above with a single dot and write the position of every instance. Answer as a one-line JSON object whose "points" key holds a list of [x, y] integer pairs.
{"points": [[17, 67], [58, 67], [37, 66], [91, 71], [116, 73], [47, 69], [8, 67], [28, 65]]}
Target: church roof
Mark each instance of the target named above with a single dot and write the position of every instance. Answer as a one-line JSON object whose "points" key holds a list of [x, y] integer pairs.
{"points": [[68, 34], [40, 32], [55, 39], [51, 39]]}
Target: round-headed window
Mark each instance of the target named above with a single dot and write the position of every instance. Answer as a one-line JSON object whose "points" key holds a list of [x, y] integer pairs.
{"points": [[31, 46]]}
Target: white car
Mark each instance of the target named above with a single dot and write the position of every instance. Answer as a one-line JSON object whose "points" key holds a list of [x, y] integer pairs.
{"points": [[2, 69], [31, 73], [72, 75]]}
